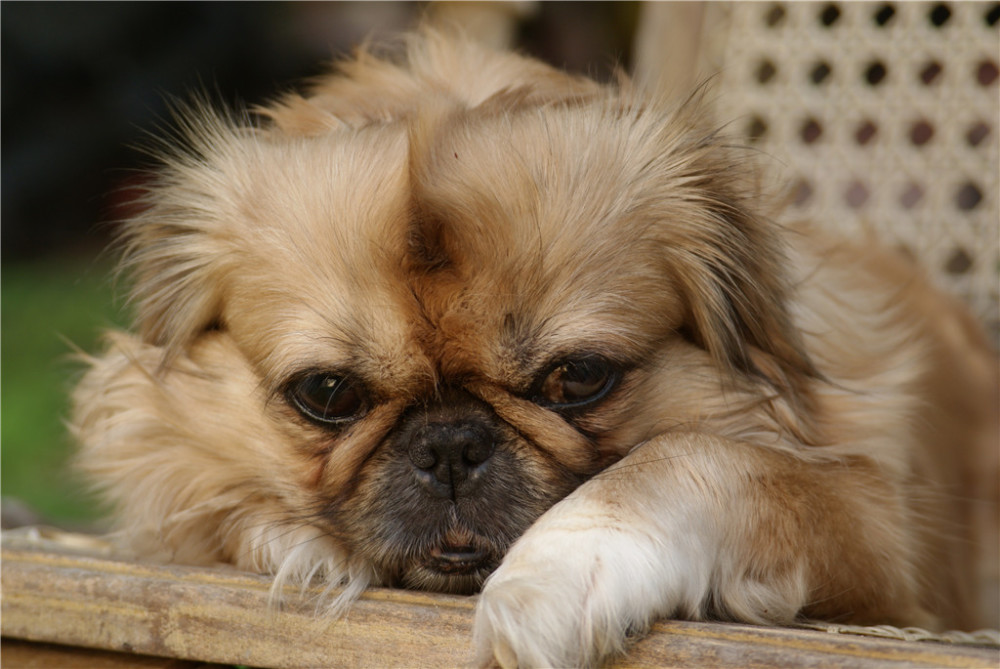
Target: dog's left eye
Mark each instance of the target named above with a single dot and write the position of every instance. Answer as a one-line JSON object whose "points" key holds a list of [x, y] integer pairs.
{"points": [[577, 383], [327, 398]]}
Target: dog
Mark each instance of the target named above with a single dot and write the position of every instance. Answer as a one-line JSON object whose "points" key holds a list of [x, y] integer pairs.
{"points": [[456, 320]]}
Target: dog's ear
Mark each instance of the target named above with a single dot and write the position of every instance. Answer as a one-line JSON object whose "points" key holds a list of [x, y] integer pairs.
{"points": [[727, 256], [175, 250], [732, 274]]}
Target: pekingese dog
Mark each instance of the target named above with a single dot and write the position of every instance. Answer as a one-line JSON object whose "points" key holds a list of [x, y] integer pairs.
{"points": [[458, 321]]}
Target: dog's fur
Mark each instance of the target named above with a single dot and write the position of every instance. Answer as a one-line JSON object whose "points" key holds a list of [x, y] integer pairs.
{"points": [[789, 424]]}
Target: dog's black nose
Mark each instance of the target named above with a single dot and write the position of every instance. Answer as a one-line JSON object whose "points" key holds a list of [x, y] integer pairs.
{"points": [[451, 457]]}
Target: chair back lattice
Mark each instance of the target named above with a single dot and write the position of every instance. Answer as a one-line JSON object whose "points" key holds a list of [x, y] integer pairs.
{"points": [[883, 117]]}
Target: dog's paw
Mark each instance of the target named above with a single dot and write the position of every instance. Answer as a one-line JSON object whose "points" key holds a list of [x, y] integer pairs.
{"points": [[577, 583], [546, 619]]}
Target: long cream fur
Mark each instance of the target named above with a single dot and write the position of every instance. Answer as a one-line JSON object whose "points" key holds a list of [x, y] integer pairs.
{"points": [[805, 426]]}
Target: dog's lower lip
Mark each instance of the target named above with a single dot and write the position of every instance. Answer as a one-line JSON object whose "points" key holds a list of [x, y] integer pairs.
{"points": [[456, 559]]}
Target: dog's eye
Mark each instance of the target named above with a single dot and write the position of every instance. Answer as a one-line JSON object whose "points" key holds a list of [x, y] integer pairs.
{"points": [[327, 398], [577, 383]]}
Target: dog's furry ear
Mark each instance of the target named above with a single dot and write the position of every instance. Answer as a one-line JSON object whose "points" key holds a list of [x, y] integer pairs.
{"points": [[733, 283], [728, 258], [175, 251]]}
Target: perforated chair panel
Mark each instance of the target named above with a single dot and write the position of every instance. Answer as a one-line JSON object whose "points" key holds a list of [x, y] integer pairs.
{"points": [[883, 117]]}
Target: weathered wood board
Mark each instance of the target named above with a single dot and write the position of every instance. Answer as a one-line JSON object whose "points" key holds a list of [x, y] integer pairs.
{"points": [[80, 597]]}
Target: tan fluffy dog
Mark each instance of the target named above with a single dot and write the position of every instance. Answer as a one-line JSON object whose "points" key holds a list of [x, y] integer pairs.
{"points": [[459, 315]]}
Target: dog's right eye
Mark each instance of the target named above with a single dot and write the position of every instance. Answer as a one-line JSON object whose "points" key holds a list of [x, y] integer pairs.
{"points": [[577, 383], [330, 399]]}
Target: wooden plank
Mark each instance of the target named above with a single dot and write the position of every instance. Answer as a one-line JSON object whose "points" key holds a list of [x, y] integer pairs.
{"points": [[219, 615], [80, 597], [29, 655]]}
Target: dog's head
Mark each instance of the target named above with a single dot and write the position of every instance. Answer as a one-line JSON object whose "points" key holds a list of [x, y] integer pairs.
{"points": [[449, 290]]}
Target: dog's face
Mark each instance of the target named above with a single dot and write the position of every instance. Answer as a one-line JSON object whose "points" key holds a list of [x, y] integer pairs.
{"points": [[447, 321]]}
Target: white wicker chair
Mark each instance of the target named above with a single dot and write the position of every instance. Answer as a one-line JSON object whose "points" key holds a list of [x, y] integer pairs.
{"points": [[882, 116]]}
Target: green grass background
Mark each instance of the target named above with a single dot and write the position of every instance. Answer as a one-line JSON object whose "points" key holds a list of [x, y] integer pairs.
{"points": [[47, 307]]}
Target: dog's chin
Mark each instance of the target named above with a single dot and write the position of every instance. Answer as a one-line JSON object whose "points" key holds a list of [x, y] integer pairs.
{"points": [[456, 562], [458, 569], [461, 576]]}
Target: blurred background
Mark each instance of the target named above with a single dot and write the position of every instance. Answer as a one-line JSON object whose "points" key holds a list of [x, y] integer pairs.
{"points": [[82, 83]]}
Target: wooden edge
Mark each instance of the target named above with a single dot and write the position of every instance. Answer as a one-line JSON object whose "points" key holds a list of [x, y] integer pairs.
{"points": [[79, 597], [36, 655]]}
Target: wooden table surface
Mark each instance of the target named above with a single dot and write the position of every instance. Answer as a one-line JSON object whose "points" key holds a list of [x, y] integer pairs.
{"points": [[73, 591]]}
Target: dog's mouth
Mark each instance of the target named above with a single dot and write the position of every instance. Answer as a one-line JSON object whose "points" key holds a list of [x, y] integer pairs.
{"points": [[457, 562], [459, 552], [453, 560]]}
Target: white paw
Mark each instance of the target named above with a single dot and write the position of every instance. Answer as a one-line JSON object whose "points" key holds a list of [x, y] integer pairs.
{"points": [[583, 577]]}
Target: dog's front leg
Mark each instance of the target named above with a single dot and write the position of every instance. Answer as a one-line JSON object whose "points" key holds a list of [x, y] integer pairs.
{"points": [[696, 526]]}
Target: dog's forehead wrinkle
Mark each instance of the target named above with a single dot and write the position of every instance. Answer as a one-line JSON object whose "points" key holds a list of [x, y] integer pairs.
{"points": [[535, 315]]}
